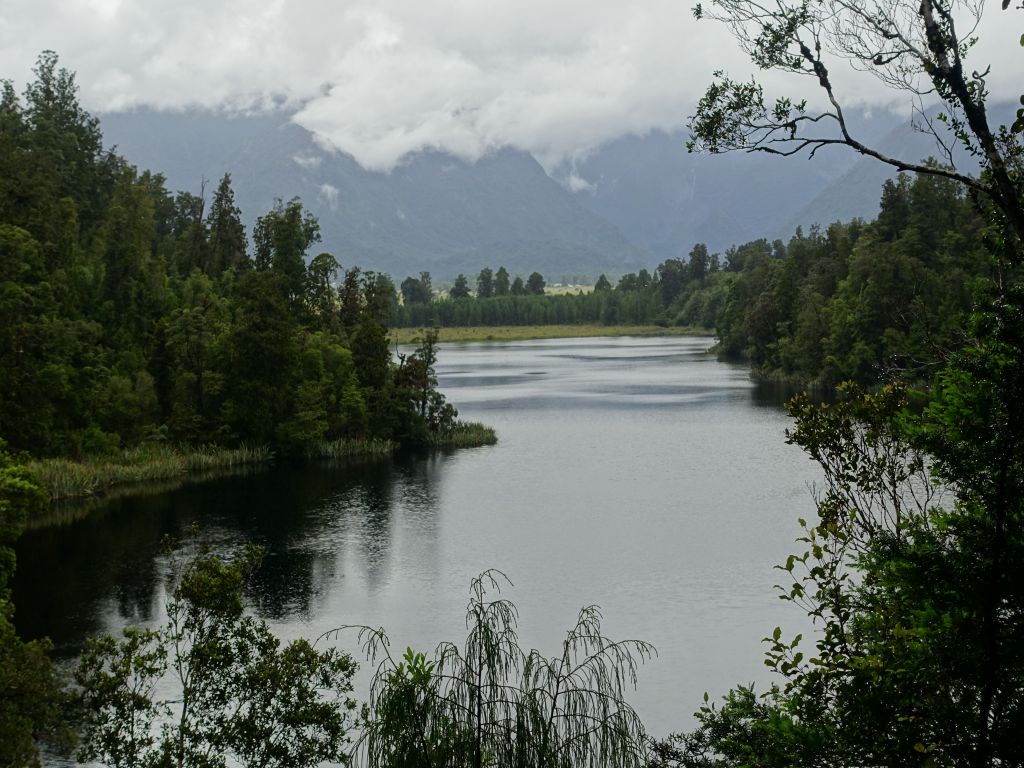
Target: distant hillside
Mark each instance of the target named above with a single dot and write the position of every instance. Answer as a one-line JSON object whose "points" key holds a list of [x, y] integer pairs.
{"points": [[433, 212], [856, 192], [665, 199], [632, 202]]}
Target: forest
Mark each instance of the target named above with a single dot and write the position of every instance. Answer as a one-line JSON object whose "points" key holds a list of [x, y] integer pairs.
{"points": [[132, 315]]}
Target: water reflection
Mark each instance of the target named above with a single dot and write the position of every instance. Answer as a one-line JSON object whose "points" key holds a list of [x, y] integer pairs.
{"points": [[96, 574]]}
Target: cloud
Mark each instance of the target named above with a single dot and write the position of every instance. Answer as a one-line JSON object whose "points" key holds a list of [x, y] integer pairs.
{"points": [[307, 162], [381, 78], [329, 194]]}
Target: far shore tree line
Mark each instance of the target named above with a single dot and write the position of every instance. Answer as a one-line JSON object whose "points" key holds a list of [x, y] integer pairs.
{"points": [[860, 301]]}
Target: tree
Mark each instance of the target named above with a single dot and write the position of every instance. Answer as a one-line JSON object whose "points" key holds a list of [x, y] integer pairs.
{"points": [[917, 48], [30, 704], [672, 276], [485, 283], [535, 284], [700, 262], [490, 703], [417, 291], [501, 283], [911, 575], [227, 233], [241, 692], [281, 239], [602, 283], [262, 357], [517, 289], [66, 140], [321, 297], [460, 290], [351, 298], [416, 376], [380, 296], [193, 342]]}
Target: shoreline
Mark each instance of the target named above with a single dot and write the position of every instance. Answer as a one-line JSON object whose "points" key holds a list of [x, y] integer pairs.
{"points": [[134, 471], [471, 333]]}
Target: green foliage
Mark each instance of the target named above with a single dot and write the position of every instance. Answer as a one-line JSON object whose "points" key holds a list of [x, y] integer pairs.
{"points": [[417, 291], [460, 290], [865, 302], [535, 284], [489, 702], [485, 283], [30, 707], [501, 283], [911, 576], [280, 241], [241, 693]]}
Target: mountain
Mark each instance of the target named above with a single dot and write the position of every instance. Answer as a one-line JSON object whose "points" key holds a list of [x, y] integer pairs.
{"points": [[433, 212], [666, 200], [856, 192], [632, 202]]}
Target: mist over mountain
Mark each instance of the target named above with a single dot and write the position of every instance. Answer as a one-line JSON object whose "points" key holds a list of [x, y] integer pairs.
{"points": [[632, 202], [666, 200], [433, 212]]}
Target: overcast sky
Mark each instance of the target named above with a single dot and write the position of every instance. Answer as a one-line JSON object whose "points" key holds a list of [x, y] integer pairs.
{"points": [[383, 78]]}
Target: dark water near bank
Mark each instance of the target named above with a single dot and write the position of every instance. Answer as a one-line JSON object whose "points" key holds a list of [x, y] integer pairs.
{"points": [[638, 474]]}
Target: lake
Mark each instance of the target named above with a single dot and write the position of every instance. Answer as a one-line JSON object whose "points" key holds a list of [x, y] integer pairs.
{"points": [[639, 474]]}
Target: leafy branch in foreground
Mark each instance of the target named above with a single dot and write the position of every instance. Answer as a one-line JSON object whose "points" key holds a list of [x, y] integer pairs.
{"points": [[919, 48], [491, 703], [239, 693]]}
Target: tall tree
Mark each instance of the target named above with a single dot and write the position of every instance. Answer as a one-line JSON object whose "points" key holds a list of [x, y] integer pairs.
{"points": [[460, 289], [228, 248], [535, 284], [321, 296], [501, 282], [485, 284], [281, 239]]}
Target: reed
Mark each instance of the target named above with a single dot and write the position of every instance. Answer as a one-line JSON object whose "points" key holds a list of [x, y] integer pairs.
{"points": [[64, 478], [464, 434], [345, 448]]}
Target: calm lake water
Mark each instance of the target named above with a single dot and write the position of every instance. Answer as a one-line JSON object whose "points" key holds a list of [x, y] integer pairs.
{"points": [[639, 474]]}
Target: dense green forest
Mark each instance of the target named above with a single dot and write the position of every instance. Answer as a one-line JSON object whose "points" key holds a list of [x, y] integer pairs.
{"points": [[129, 314], [861, 301]]}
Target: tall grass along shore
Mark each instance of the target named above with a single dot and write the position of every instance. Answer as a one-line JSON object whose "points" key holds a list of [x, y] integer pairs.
{"points": [[64, 478], [464, 434], [151, 463]]}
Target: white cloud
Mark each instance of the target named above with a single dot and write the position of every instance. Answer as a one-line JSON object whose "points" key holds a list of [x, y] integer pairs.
{"points": [[381, 78], [308, 162], [577, 183], [329, 194]]}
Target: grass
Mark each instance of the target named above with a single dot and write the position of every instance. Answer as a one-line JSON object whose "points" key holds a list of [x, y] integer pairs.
{"points": [[152, 462], [524, 332], [348, 449], [161, 467], [465, 434]]}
